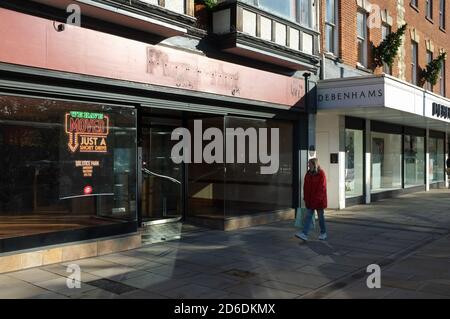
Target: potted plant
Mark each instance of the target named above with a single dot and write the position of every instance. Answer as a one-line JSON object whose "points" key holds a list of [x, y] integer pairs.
{"points": [[202, 12]]}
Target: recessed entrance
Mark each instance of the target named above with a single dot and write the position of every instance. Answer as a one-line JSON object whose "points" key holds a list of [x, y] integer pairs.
{"points": [[162, 179]]}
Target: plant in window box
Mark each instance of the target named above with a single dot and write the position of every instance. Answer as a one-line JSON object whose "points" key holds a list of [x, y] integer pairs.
{"points": [[202, 12], [388, 48], [433, 69]]}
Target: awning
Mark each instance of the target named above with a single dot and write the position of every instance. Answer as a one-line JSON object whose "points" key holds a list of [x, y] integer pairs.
{"points": [[384, 98]]}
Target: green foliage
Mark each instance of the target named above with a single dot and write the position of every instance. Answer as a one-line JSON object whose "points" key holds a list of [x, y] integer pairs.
{"points": [[210, 4], [433, 69], [388, 49]]}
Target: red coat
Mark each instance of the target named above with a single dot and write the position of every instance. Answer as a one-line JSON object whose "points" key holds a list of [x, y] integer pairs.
{"points": [[315, 190]]}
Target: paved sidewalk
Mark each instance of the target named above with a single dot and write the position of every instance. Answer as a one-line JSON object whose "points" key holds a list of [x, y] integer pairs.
{"points": [[408, 237]]}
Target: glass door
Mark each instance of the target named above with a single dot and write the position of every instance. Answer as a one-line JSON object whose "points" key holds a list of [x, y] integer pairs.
{"points": [[161, 197]]}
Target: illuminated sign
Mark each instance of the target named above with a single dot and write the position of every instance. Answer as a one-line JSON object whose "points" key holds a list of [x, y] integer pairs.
{"points": [[87, 190], [87, 132], [86, 155], [87, 167]]}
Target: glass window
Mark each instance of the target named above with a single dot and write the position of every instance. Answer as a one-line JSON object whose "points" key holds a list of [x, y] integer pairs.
{"points": [[414, 62], [429, 8], [414, 160], [248, 191], [65, 165], [330, 26], [354, 163], [436, 165], [206, 180], [442, 14], [281, 8], [442, 81], [300, 11], [385, 31], [305, 12], [429, 87], [386, 162], [362, 38]]}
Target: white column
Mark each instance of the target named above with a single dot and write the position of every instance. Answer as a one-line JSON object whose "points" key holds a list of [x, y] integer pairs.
{"points": [[427, 161], [446, 157], [341, 161], [312, 123], [368, 162]]}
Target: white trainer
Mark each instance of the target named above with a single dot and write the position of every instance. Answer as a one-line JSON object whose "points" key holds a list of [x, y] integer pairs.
{"points": [[301, 236], [323, 236]]}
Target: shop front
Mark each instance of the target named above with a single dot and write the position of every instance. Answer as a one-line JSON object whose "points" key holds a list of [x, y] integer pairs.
{"points": [[87, 140], [386, 137]]}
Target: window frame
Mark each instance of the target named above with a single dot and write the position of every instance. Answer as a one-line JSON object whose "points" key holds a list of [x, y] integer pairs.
{"points": [[363, 61], [442, 80], [442, 20], [429, 56], [414, 62], [334, 27], [384, 26], [429, 9]]}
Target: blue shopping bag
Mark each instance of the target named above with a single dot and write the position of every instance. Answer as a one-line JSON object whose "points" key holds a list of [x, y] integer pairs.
{"points": [[300, 218]]}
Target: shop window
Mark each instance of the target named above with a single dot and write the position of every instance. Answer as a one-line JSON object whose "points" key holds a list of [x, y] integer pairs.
{"points": [[248, 191], [386, 162], [65, 165], [354, 163], [414, 165], [436, 164]]}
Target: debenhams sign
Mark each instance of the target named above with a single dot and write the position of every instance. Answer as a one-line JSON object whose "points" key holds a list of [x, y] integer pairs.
{"points": [[441, 111], [372, 95]]}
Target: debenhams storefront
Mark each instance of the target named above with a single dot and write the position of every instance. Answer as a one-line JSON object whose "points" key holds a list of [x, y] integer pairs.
{"points": [[379, 137]]}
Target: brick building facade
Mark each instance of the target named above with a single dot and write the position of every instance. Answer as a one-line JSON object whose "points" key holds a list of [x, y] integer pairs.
{"points": [[381, 131], [426, 32]]}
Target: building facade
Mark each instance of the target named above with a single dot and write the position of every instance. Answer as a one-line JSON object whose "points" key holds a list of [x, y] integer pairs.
{"points": [[92, 94], [382, 131]]}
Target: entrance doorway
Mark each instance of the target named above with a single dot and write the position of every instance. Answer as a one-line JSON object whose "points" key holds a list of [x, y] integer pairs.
{"points": [[162, 179]]}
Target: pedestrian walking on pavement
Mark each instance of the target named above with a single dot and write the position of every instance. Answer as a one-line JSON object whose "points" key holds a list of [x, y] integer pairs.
{"points": [[448, 165], [315, 197]]}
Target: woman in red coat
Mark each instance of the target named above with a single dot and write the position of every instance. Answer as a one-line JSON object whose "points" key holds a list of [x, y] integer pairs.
{"points": [[315, 197]]}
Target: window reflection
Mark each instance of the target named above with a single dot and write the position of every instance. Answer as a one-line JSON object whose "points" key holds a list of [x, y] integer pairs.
{"points": [[46, 186]]}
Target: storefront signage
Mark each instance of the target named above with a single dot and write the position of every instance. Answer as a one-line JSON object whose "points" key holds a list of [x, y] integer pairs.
{"points": [[86, 158], [155, 65], [441, 111], [87, 132], [350, 95], [331, 97]]}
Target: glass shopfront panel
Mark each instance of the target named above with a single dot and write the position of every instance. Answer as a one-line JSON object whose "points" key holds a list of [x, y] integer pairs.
{"points": [[65, 165], [386, 162], [436, 164], [354, 163], [206, 180], [414, 165], [249, 190]]}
